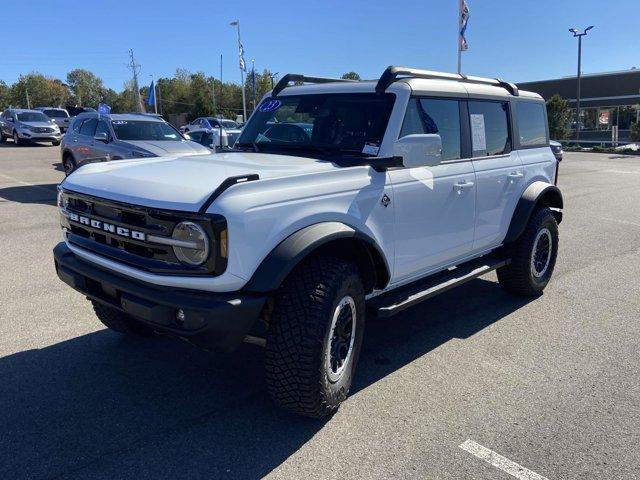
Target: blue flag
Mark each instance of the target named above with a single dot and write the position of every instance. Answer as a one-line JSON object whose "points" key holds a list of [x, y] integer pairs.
{"points": [[464, 19], [104, 109], [151, 99]]}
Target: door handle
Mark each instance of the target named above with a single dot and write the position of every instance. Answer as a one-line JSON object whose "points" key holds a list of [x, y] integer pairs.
{"points": [[515, 175], [461, 185]]}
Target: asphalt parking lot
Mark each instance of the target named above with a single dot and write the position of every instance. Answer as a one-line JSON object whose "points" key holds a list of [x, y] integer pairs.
{"points": [[552, 384]]}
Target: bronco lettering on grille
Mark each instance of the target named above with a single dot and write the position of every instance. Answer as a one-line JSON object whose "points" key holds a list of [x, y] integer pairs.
{"points": [[107, 227]]}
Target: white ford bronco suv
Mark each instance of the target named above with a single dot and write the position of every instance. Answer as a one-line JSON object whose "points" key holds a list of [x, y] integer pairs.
{"points": [[341, 199]]}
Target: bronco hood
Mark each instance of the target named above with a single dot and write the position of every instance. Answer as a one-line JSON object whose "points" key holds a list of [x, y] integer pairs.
{"points": [[183, 183]]}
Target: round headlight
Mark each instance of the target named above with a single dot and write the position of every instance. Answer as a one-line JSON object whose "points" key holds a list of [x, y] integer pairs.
{"points": [[193, 248]]}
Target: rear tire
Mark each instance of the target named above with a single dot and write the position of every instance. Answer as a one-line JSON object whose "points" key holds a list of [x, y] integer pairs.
{"points": [[533, 256], [120, 322], [314, 336]]}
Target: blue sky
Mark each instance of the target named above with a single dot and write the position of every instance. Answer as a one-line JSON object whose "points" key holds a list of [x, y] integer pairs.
{"points": [[515, 40]]}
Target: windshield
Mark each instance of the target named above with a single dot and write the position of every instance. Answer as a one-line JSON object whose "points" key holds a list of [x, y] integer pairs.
{"points": [[144, 130], [56, 113], [32, 117], [326, 124]]}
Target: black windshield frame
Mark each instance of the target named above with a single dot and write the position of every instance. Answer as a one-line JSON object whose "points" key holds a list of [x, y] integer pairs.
{"points": [[323, 125]]}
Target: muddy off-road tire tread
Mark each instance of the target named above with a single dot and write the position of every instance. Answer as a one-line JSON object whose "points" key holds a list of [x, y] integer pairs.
{"points": [[303, 305], [119, 322], [516, 277]]}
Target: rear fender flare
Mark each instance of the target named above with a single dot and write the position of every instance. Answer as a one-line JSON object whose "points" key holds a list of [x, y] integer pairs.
{"points": [[538, 194]]}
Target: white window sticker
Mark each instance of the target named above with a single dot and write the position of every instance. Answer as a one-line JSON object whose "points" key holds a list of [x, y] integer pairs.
{"points": [[370, 149], [478, 136]]}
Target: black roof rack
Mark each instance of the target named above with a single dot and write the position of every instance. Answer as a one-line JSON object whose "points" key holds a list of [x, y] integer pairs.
{"points": [[296, 77], [392, 73]]}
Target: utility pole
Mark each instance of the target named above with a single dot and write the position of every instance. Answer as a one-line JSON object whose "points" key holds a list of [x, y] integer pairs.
{"points": [[578, 78], [26, 89], [135, 69]]}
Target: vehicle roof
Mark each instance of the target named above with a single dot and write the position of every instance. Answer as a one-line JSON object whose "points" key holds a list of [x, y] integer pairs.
{"points": [[50, 108], [129, 117], [432, 86], [23, 110]]}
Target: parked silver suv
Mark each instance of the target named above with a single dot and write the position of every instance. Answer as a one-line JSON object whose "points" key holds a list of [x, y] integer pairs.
{"points": [[59, 115], [94, 137], [26, 126]]}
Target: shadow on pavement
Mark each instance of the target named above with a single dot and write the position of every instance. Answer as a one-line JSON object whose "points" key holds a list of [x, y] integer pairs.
{"points": [[9, 144], [106, 406], [45, 194]]}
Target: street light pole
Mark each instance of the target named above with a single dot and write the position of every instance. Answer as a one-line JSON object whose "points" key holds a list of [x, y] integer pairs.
{"points": [[236, 24], [578, 78]]}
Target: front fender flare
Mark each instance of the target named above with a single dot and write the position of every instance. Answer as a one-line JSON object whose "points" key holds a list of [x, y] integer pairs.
{"points": [[292, 250], [537, 194]]}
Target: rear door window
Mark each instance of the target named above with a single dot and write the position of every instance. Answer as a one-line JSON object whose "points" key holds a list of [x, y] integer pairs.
{"points": [[489, 128]]}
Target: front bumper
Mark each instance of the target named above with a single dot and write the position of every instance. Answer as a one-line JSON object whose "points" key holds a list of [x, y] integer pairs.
{"points": [[212, 320], [40, 137]]}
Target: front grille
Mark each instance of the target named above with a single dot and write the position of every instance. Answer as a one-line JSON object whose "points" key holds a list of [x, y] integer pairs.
{"points": [[137, 252], [43, 130]]}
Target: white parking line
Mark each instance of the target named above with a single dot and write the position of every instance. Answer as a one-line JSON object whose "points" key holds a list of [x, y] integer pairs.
{"points": [[498, 461], [26, 184]]}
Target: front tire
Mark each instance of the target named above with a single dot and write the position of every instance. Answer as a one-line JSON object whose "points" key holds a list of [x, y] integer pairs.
{"points": [[533, 256], [69, 164], [55, 143], [314, 337], [120, 322], [16, 139]]}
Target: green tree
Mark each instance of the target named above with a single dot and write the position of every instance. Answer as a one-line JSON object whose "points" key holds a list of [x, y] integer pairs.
{"points": [[559, 115], [4, 95], [351, 76], [635, 132], [122, 102], [87, 87], [36, 90]]}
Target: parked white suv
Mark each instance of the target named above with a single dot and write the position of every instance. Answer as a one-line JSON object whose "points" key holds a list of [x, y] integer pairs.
{"points": [[341, 199]]}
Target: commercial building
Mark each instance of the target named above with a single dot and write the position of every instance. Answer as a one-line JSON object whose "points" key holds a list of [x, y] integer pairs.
{"points": [[607, 100]]}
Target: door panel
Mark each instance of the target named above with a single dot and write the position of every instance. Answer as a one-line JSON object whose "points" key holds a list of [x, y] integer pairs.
{"points": [[435, 213], [499, 172], [499, 181]]}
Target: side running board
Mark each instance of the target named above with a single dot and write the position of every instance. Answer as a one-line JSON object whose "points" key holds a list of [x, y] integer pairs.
{"points": [[388, 304]]}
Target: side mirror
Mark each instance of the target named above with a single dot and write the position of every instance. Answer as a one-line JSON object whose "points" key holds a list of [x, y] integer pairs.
{"points": [[419, 150], [101, 137]]}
